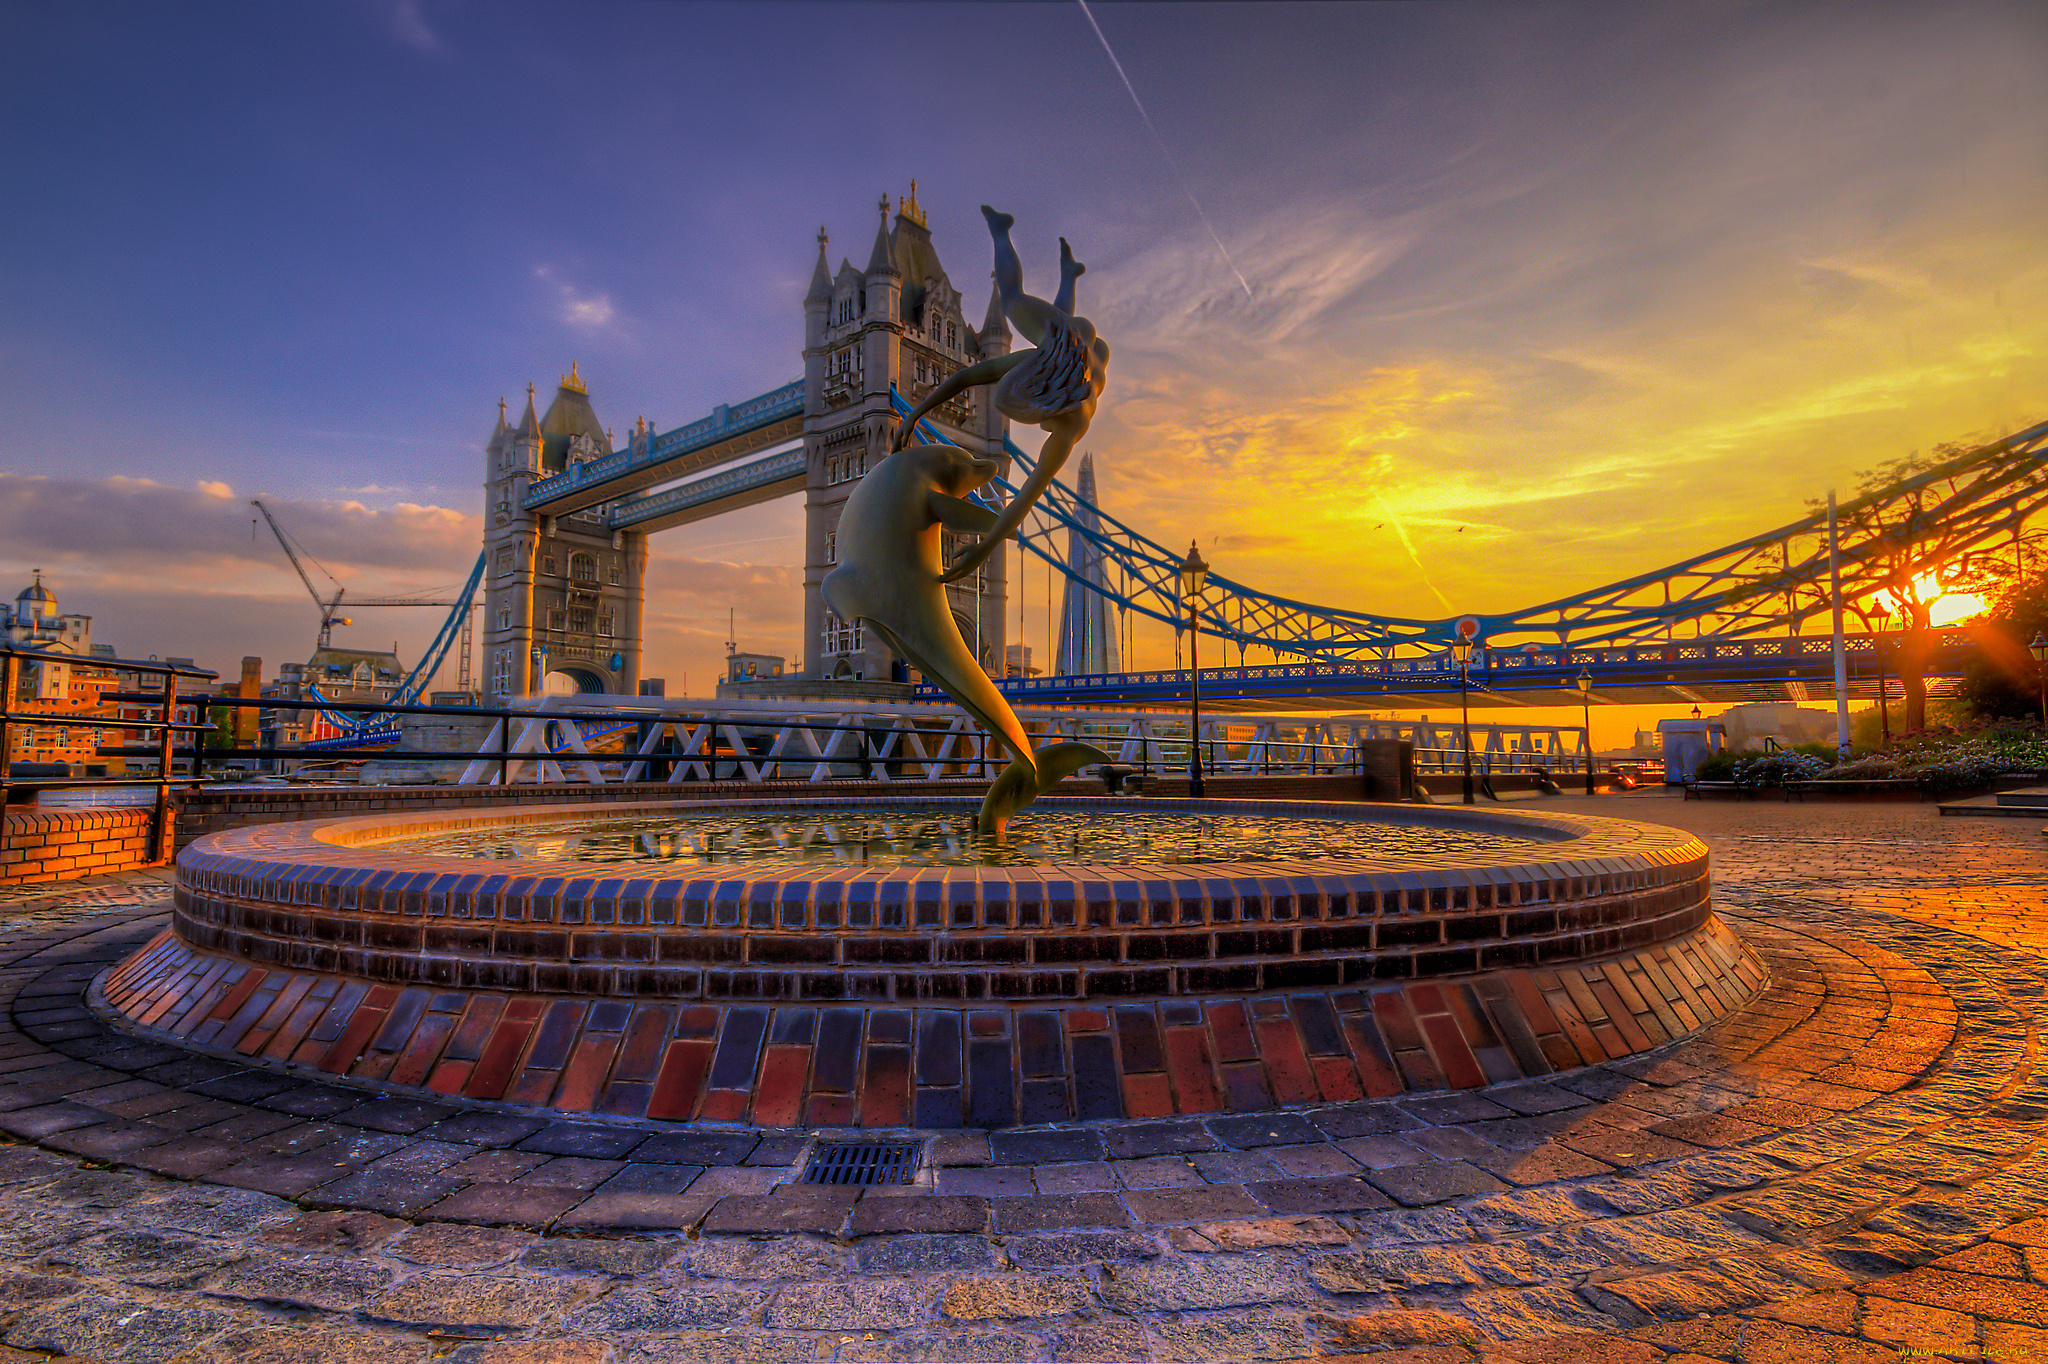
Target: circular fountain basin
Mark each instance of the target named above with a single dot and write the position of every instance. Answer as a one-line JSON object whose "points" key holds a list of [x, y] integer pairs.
{"points": [[940, 833], [1268, 953]]}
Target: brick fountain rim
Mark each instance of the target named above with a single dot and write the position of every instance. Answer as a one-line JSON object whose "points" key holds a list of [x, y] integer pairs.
{"points": [[933, 996]]}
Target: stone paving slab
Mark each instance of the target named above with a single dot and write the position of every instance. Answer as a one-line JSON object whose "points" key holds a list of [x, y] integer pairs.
{"points": [[1848, 1169]]}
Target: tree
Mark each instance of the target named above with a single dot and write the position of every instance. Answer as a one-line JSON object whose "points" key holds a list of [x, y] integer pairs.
{"points": [[1918, 557], [222, 718], [2003, 681]]}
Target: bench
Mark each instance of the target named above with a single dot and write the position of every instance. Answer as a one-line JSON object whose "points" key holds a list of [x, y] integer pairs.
{"points": [[1700, 790]]}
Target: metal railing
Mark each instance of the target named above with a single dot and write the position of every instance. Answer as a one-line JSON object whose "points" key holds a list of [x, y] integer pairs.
{"points": [[551, 740], [165, 726]]}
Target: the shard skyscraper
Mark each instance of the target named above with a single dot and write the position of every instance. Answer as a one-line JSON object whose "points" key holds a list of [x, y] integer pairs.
{"points": [[1088, 634]]}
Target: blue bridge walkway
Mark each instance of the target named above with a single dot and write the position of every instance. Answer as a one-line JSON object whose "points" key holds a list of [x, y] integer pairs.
{"points": [[1678, 672]]}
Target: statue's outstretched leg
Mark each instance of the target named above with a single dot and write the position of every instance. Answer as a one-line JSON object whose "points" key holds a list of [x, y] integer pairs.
{"points": [[1026, 313], [1070, 270]]}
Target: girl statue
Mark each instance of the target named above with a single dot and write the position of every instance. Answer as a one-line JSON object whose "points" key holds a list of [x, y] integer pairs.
{"points": [[1054, 385]]}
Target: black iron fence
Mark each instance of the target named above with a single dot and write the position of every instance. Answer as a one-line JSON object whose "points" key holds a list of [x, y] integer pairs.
{"points": [[720, 759], [18, 665]]}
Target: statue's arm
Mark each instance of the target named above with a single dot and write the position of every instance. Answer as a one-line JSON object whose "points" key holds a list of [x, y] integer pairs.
{"points": [[958, 382]]}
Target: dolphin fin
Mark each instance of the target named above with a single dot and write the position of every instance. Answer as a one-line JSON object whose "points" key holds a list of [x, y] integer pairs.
{"points": [[838, 591], [1018, 786], [957, 513]]}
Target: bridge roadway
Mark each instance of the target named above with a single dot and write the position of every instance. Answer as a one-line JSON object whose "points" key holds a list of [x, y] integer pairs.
{"points": [[1681, 672]]}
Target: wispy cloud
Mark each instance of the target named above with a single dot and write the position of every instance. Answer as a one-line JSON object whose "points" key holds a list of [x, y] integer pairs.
{"points": [[188, 571], [1164, 151], [131, 525], [1311, 259], [585, 310], [408, 25]]}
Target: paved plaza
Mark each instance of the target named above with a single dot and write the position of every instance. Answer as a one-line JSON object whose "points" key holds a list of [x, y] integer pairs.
{"points": [[1850, 1168]]}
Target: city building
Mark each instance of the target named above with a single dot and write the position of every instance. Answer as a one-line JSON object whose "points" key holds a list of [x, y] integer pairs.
{"points": [[1017, 661], [1088, 623], [141, 761], [68, 692], [349, 676], [741, 667], [1755, 726]]}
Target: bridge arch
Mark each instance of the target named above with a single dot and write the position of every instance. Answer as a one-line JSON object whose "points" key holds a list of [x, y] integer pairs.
{"points": [[572, 681]]}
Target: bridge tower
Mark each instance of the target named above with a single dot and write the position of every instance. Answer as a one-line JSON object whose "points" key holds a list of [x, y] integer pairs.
{"points": [[898, 322], [566, 586]]}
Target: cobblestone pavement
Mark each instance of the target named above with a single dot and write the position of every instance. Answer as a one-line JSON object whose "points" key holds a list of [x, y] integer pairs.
{"points": [[1853, 1168]]}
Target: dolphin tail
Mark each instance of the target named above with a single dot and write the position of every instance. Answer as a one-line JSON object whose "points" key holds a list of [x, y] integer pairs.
{"points": [[1019, 784]]}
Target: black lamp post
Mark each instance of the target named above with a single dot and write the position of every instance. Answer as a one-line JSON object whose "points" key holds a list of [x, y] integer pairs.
{"points": [[2039, 649], [1585, 681], [1884, 705], [1192, 573], [1461, 649]]}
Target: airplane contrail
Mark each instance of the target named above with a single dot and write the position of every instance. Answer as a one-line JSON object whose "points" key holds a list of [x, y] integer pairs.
{"points": [[1409, 545], [1185, 188]]}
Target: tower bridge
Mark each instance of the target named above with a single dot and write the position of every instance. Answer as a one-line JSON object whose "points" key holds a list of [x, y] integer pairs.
{"points": [[568, 516]]}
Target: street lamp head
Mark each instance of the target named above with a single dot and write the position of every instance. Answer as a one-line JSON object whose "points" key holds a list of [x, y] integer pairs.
{"points": [[2039, 648], [1461, 649], [1193, 571], [1695, 712], [1585, 681]]}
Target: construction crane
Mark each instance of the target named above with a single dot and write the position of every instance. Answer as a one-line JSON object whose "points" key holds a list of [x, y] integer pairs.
{"points": [[330, 605]]}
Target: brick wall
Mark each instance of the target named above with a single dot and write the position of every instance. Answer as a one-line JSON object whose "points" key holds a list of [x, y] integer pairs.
{"points": [[61, 845]]}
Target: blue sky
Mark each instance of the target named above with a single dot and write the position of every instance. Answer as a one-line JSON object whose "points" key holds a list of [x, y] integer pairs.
{"points": [[1603, 285]]}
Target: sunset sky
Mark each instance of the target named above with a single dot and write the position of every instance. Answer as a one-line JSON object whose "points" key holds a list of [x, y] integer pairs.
{"points": [[1568, 291]]}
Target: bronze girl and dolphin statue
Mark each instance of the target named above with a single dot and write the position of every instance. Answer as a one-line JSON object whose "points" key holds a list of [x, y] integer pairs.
{"points": [[891, 570]]}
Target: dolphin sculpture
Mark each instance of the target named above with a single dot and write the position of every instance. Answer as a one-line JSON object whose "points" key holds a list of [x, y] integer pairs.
{"points": [[890, 562]]}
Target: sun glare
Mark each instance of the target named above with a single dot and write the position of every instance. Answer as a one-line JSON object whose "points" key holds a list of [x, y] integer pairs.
{"points": [[1948, 608], [1957, 606]]}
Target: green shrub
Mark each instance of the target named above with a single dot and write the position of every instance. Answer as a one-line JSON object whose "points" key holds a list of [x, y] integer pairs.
{"points": [[1716, 767]]}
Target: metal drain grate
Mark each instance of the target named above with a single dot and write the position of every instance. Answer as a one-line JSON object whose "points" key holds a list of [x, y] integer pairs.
{"points": [[867, 1162]]}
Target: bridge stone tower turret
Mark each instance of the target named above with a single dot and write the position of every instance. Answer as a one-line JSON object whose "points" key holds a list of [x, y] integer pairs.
{"points": [[568, 586], [897, 323]]}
